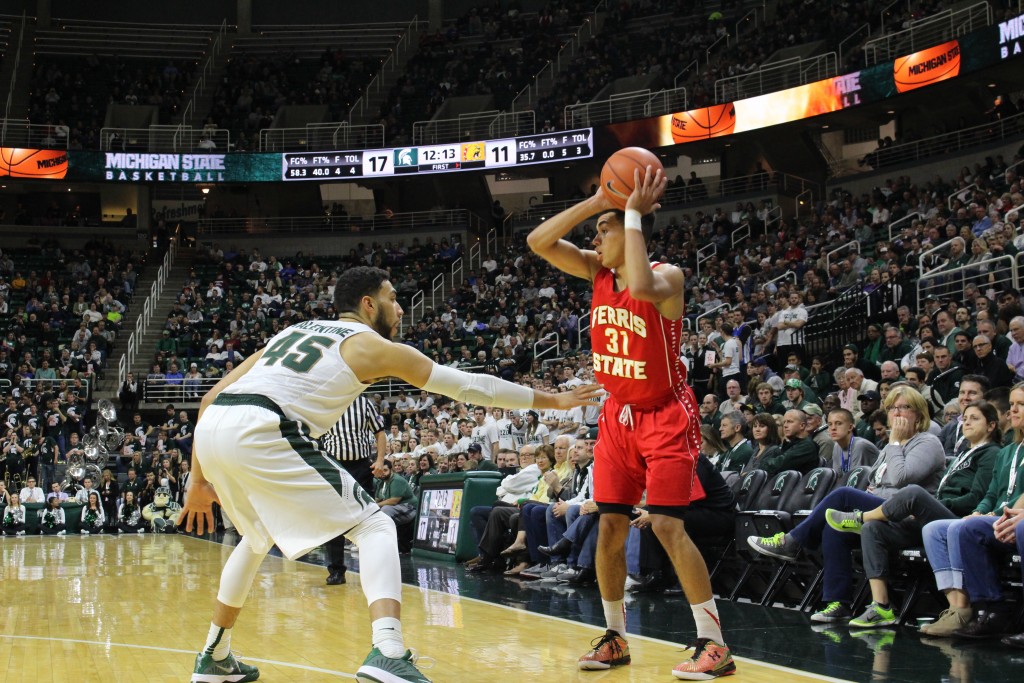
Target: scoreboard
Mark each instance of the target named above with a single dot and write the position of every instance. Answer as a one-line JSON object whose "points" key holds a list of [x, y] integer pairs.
{"points": [[464, 156]]}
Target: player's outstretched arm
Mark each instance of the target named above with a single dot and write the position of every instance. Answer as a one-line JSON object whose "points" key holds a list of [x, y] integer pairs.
{"points": [[371, 357], [546, 239], [666, 281]]}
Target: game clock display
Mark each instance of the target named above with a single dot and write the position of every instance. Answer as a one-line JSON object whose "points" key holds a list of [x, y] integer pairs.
{"points": [[465, 156]]}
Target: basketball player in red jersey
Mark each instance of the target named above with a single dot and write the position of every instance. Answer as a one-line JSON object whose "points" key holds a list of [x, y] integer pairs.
{"points": [[649, 426]]}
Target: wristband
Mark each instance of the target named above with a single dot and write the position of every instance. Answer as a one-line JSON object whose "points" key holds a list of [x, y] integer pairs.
{"points": [[632, 220]]}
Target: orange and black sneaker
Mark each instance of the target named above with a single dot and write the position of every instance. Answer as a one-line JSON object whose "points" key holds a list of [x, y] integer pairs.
{"points": [[610, 650], [710, 660]]}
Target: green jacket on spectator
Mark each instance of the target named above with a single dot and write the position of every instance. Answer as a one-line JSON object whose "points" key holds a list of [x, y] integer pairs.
{"points": [[395, 487], [963, 488], [797, 454], [736, 457], [1000, 493]]}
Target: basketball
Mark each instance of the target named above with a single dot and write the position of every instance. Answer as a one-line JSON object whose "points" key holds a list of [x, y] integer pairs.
{"points": [[701, 124], [33, 163], [617, 173], [927, 66]]}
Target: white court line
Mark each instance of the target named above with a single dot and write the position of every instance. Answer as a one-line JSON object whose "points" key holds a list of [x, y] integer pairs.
{"points": [[104, 643], [424, 589]]}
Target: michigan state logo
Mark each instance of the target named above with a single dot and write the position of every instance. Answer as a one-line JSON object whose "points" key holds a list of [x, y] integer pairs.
{"points": [[360, 495]]}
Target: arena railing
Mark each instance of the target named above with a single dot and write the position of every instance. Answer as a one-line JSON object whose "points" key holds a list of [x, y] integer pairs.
{"points": [[127, 360], [846, 248], [706, 253], [997, 273], [832, 324], [529, 96], [928, 31], [21, 133], [544, 346], [14, 80], [946, 143], [158, 390], [626, 106], [908, 219], [854, 41], [788, 275], [482, 125], [50, 385], [394, 222], [394, 64], [165, 138], [206, 73], [775, 76], [717, 310], [739, 234], [322, 137]]}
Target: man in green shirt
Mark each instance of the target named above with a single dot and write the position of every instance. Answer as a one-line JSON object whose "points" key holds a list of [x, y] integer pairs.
{"points": [[395, 497], [740, 449], [798, 452]]}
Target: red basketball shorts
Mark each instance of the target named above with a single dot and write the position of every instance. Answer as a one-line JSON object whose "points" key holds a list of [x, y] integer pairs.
{"points": [[651, 448]]}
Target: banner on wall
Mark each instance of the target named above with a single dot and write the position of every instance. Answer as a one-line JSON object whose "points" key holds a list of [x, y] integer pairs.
{"points": [[171, 212], [18, 162]]}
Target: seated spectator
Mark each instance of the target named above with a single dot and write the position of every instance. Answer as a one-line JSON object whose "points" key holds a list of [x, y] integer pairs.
{"points": [[798, 451], [711, 445], [848, 450], [897, 523], [767, 441], [51, 518], [490, 522], [31, 493], [913, 456], [395, 497], [13, 523]]}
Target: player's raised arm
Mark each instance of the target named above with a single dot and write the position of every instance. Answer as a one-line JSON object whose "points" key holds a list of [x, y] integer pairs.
{"points": [[372, 357], [645, 283], [546, 239]]}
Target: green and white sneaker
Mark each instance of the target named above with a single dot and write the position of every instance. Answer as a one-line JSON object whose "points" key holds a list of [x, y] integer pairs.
{"points": [[875, 616], [227, 670], [833, 612], [779, 546], [377, 668], [844, 521]]}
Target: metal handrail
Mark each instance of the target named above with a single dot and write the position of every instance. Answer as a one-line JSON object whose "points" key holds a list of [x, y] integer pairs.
{"points": [[708, 314], [537, 355], [855, 246], [707, 53], [921, 272], [474, 259], [625, 107], [776, 76], [686, 69], [207, 71], [416, 303], [799, 202], [952, 197], [931, 30], [441, 218], [491, 241], [14, 79], [1015, 211], [22, 133], [789, 274], [706, 253], [474, 126], [773, 216], [855, 34], [390, 65], [127, 360], [909, 217], [322, 137], [948, 277], [162, 138], [746, 235]]}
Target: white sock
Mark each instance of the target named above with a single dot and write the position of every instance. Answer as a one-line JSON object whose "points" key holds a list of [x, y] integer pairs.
{"points": [[708, 623], [615, 616], [218, 642], [387, 637]]}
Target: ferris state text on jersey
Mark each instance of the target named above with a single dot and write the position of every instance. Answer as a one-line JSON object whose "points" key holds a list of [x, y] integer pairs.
{"points": [[617, 325]]}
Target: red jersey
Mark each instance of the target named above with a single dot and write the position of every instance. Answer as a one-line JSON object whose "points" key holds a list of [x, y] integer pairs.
{"points": [[635, 347]]}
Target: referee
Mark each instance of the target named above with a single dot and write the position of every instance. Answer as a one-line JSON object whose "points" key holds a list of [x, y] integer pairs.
{"points": [[352, 442]]}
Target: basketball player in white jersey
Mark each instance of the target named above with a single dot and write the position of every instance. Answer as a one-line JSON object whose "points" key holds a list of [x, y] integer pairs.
{"points": [[256, 453]]}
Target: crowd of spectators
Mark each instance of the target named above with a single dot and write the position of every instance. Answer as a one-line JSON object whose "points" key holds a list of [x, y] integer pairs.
{"points": [[71, 95], [255, 87], [491, 50]]}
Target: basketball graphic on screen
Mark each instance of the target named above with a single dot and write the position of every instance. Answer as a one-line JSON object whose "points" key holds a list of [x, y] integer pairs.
{"points": [[701, 124], [927, 66], [617, 173], [17, 162]]}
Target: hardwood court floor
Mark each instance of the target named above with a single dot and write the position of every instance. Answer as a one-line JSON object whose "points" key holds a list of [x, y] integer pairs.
{"points": [[136, 608]]}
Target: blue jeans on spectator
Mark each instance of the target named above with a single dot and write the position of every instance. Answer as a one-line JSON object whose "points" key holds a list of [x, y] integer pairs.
{"points": [[582, 531], [942, 546], [556, 527], [982, 553], [836, 547], [533, 521]]}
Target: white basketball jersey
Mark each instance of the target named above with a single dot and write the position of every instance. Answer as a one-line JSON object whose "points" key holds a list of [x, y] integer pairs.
{"points": [[302, 371]]}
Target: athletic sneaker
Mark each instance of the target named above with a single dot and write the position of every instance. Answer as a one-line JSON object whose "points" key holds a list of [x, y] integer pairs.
{"points": [[609, 650], [833, 612], [377, 668], [709, 660], [844, 521], [534, 572], [554, 572], [875, 616], [227, 670], [779, 546]]}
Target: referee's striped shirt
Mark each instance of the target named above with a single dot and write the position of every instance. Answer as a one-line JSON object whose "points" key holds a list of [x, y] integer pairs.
{"points": [[354, 437]]}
